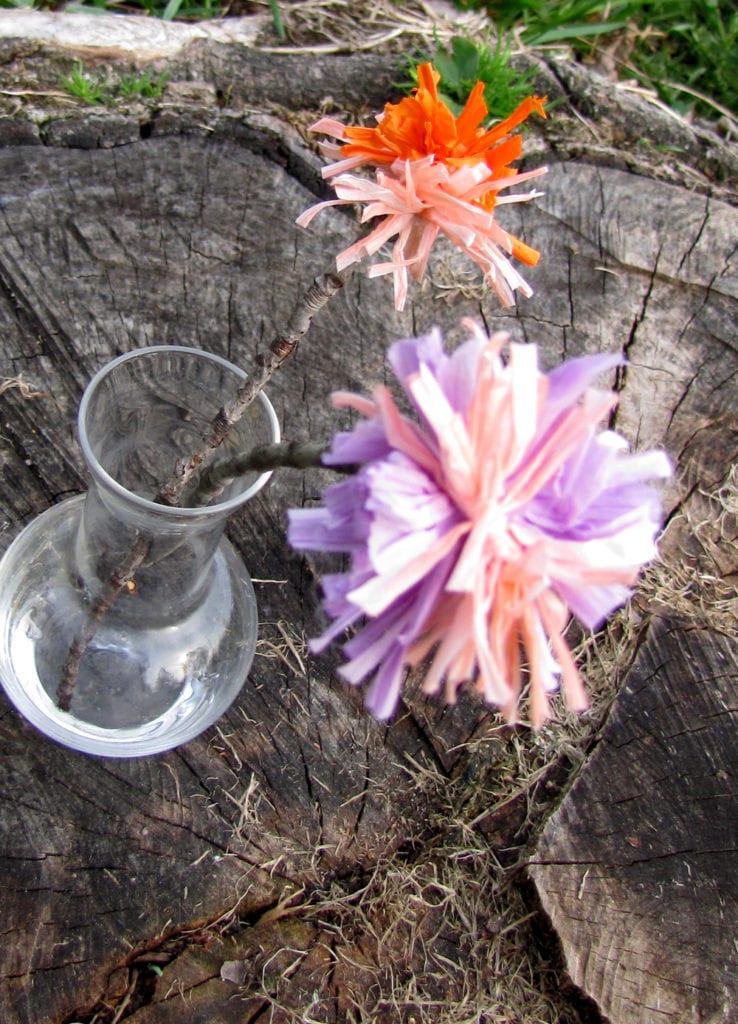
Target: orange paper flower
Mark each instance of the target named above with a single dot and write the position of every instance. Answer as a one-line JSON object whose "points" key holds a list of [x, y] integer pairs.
{"points": [[435, 174], [422, 125]]}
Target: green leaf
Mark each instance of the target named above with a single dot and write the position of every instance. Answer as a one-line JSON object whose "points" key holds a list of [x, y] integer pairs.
{"points": [[558, 35], [466, 58], [448, 70], [171, 10]]}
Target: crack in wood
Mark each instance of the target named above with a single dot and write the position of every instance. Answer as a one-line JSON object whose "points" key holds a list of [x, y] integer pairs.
{"points": [[370, 803], [700, 231]]}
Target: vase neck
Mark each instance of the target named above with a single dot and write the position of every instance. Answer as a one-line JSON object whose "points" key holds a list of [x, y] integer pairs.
{"points": [[140, 418], [162, 561]]}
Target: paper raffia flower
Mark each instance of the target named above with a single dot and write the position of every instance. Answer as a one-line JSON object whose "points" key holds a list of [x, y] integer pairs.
{"points": [[434, 174], [475, 531]]}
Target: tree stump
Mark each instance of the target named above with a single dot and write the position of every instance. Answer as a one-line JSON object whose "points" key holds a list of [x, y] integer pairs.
{"points": [[638, 866], [239, 878]]}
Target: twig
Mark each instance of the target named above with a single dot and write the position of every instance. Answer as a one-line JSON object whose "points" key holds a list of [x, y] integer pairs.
{"points": [[284, 454], [320, 292], [119, 580]]}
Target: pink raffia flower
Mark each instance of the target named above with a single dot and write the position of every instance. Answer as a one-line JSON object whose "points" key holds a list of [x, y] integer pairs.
{"points": [[474, 532], [434, 175]]}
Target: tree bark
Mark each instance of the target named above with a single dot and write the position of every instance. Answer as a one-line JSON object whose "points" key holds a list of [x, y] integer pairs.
{"points": [[175, 224]]}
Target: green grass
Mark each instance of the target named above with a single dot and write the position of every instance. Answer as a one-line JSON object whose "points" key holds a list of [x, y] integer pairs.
{"points": [[94, 89], [167, 10], [469, 61], [145, 84], [86, 86], [687, 50]]}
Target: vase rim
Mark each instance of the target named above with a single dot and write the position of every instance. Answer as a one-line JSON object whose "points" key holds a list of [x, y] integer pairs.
{"points": [[145, 504]]}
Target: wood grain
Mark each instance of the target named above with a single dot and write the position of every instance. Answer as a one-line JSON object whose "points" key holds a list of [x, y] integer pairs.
{"points": [[110, 241], [638, 868]]}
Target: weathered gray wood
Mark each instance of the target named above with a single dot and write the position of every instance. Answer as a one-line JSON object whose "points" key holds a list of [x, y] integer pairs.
{"points": [[188, 236], [638, 868], [162, 255]]}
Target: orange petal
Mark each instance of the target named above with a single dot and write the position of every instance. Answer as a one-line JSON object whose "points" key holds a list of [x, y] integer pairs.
{"points": [[474, 112], [524, 252], [428, 78], [521, 113]]}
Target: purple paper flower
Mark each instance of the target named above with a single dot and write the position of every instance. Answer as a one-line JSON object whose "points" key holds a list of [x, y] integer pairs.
{"points": [[475, 530]]}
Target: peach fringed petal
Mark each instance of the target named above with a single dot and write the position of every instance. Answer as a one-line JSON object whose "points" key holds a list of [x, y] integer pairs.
{"points": [[474, 531], [414, 202]]}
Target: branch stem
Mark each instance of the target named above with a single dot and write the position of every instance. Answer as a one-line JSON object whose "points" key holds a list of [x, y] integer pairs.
{"points": [[267, 363], [118, 581], [283, 454], [318, 294]]}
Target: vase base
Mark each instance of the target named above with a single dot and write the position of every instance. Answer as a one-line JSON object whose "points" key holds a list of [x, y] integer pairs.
{"points": [[137, 692]]}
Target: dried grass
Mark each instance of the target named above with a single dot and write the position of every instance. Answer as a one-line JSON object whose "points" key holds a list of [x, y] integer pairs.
{"points": [[19, 384], [441, 930], [697, 576], [441, 940], [341, 26], [451, 276], [437, 932], [281, 641]]}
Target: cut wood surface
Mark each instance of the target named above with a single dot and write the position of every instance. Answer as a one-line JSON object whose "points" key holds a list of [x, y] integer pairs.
{"points": [[639, 866], [204, 862]]}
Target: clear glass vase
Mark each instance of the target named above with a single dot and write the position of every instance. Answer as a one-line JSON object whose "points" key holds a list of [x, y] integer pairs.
{"points": [[136, 668]]}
